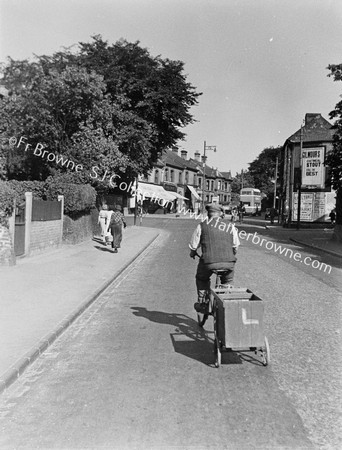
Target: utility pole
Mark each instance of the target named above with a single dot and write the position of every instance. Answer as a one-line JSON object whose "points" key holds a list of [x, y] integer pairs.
{"points": [[299, 186], [136, 201], [209, 147], [275, 184]]}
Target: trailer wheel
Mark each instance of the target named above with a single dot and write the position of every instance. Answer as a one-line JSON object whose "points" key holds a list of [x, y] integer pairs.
{"points": [[217, 350], [266, 357]]}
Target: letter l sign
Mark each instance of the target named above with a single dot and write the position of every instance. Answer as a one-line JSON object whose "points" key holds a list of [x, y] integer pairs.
{"points": [[246, 321]]}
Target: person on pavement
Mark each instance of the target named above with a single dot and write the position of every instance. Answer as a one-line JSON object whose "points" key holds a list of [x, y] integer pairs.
{"points": [[332, 216], [273, 213], [103, 221], [117, 220], [219, 243], [241, 211]]}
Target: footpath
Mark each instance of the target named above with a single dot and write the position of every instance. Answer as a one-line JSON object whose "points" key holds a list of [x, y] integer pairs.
{"points": [[43, 294], [315, 238]]}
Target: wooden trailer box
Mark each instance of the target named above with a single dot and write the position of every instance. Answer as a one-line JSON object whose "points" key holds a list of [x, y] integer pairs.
{"points": [[239, 318]]}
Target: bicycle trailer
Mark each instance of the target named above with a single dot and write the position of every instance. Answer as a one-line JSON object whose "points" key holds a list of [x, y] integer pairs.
{"points": [[238, 322]]}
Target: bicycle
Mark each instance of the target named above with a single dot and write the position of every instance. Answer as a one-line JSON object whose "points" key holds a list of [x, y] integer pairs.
{"points": [[207, 307]]}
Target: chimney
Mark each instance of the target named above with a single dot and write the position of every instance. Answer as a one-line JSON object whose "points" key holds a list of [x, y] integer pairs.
{"points": [[175, 149], [309, 117], [197, 156], [184, 154], [204, 159]]}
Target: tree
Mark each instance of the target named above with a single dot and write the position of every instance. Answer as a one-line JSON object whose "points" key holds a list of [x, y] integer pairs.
{"points": [[334, 158], [262, 170], [243, 179], [109, 106]]}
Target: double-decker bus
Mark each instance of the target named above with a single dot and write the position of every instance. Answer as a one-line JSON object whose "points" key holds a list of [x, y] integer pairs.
{"points": [[251, 200]]}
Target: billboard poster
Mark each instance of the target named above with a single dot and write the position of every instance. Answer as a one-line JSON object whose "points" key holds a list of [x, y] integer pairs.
{"points": [[312, 167], [314, 206], [306, 207]]}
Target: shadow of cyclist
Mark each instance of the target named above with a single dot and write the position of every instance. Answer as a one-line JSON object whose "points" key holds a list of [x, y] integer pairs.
{"points": [[188, 338]]}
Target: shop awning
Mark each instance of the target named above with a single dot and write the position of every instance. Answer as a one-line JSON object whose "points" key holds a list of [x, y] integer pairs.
{"points": [[153, 191], [176, 195], [194, 193]]}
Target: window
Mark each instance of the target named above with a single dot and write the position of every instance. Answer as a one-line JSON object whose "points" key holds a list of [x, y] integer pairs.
{"points": [[219, 185], [156, 176], [207, 185], [186, 177], [212, 185], [200, 182], [180, 177], [172, 176], [166, 175]]}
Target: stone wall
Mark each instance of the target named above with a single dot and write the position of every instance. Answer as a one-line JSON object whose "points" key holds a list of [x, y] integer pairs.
{"points": [[7, 257]]}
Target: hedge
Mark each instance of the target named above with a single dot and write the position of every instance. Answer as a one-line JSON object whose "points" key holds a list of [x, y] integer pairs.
{"points": [[77, 197], [20, 187]]}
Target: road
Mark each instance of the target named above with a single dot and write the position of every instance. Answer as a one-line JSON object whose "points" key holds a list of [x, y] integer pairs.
{"points": [[136, 372]]}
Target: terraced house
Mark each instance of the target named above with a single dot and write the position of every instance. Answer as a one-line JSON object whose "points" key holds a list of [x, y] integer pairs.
{"points": [[182, 179]]}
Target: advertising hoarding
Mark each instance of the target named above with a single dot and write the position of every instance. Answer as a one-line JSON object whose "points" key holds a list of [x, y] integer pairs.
{"points": [[313, 169]]}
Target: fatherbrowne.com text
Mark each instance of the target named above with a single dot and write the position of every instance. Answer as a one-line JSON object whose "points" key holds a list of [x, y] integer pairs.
{"points": [[259, 240]]}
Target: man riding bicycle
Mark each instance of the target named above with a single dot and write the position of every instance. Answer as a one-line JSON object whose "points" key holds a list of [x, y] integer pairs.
{"points": [[219, 243]]}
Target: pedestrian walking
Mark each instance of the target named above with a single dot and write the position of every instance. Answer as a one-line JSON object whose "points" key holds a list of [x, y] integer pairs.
{"points": [[219, 249], [273, 213], [103, 221], [234, 215], [117, 221], [332, 216], [241, 211]]}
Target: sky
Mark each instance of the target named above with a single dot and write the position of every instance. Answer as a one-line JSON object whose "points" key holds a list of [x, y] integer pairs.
{"points": [[261, 65]]}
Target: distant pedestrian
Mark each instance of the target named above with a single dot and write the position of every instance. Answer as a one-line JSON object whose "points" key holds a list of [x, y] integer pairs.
{"points": [[273, 213], [103, 221], [332, 216], [117, 220], [241, 211]]}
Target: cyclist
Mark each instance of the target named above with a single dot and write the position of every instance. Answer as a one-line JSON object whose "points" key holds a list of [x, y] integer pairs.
{"points": [[219, 243]]}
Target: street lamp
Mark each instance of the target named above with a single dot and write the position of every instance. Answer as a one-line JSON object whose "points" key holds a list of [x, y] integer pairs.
{"points": [[206, 147]]}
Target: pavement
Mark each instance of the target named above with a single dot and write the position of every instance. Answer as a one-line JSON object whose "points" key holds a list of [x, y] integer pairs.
{"points": [[315, 238], [43, 294]]}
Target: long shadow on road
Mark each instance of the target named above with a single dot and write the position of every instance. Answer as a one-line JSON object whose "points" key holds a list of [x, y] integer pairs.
{"points": [[189, 339]]}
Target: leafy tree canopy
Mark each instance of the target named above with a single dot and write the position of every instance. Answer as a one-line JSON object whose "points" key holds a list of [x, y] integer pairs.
{"points": [[334, 158], [111, 106], [262, 169], [240, 180]]}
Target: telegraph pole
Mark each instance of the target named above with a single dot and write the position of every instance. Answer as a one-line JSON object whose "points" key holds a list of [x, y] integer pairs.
{"points": [[209, 147], [275, 184], [299, 186]]}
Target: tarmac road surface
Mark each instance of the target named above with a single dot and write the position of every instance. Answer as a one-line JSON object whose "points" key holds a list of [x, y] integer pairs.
{"points": [[136, 372]]}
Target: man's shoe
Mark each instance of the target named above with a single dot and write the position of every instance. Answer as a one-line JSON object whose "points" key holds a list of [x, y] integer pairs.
{"points": [[202, 308]]}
